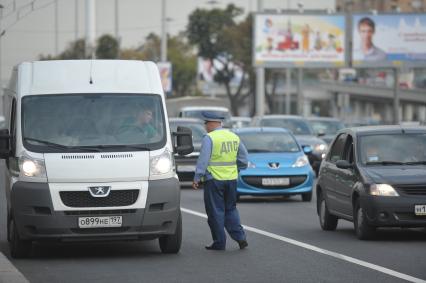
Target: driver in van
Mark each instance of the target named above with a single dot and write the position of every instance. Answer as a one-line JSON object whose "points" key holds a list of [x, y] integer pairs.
{"points": [[138, 127]]}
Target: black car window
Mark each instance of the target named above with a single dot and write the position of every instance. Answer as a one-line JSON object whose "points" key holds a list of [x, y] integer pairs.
{"points": [[392, 149], [336, 151], [349, 150]]}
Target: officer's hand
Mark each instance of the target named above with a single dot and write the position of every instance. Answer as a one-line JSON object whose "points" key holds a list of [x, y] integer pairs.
{"points": [[195, 185]]}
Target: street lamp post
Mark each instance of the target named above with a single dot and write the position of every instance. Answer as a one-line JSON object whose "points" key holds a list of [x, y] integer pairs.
{"points": [[1, 35], [163, 32]]}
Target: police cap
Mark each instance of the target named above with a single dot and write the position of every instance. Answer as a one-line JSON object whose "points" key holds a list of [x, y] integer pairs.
{"points": [[209, 116]]}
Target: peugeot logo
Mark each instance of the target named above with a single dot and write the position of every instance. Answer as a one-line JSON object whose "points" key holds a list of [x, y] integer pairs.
{"points": [[101, 191], [274, 165]]}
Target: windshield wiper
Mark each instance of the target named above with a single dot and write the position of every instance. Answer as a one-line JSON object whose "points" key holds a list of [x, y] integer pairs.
{"points": [[423, 162], [61, 146], [258, 150], [385, 162]]}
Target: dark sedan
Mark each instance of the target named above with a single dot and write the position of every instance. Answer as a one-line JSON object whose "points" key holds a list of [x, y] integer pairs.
{"points": [[374, 177], [325, 127]]}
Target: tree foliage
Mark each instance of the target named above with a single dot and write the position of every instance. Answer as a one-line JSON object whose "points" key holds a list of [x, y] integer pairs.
{"points": [[107, 47], [218, 36]]}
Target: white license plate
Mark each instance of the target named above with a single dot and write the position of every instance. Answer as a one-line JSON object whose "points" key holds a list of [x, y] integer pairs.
{"points": [[100, 221], [420, 209], [186, 168], [275, 181]]}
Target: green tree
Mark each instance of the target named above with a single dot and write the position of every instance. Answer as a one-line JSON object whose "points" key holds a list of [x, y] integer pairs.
{"points": [[218, 36], [107, 47], [74, 50], [179, 53]]}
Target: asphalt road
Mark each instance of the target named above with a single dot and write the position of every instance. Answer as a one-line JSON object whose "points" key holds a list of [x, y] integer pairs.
{"points": [[269, 257]]}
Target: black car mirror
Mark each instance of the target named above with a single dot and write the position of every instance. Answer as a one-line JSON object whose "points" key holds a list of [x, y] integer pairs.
{"points": [[183, 145], [343, 164], [4, 143]]}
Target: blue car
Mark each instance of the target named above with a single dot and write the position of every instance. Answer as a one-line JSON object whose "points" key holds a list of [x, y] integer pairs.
{"points": [[278, 166]]}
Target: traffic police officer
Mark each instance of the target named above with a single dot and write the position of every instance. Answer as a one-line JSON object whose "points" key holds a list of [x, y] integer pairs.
{"points": [[222, 155]]}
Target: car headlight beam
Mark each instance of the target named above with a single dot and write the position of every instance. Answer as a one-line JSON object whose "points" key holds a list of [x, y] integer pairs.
{"points": [[383, 190], [32, 167], [161, 164], [301, 161]]}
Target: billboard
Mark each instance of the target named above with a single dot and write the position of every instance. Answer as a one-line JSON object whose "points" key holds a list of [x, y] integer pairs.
{"points": [[299, 40], [388, 40], [207, 69], [165, 69]]}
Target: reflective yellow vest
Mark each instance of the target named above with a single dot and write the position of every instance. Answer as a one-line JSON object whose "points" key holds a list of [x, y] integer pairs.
{"points": [[223, 160]]}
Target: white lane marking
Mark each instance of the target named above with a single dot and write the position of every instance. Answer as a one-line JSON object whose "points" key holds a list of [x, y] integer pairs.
{"points": [[322, 251]]}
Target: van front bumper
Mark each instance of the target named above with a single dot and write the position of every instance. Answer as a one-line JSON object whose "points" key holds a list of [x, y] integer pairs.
{"points": [[36, 219]]}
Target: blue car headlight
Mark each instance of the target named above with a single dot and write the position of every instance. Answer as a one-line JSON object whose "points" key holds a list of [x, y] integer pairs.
{"points": [[251, 165], [301, 161]]}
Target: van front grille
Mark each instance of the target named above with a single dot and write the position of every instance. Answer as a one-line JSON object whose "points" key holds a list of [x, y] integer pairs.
{"points": [[85, 199]]}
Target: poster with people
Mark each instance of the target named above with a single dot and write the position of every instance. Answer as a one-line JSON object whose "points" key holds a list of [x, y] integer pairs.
{"points": [[294, 39], [165, 69], [383, 40]]}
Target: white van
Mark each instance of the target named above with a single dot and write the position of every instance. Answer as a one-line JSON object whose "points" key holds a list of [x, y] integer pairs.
{"points": [[82, 160]]}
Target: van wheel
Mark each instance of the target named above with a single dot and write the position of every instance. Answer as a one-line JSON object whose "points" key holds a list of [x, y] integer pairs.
{"points": [[170, 244], [327, 221], [363, 230], [307, 197], [18, 248]]}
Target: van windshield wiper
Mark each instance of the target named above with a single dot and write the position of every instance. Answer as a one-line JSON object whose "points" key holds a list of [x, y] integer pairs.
{"points": [[61, 146], [51, 144], [385, 162]]}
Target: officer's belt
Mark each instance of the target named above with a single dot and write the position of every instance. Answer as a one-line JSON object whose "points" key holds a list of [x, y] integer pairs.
{"points": [[222, 163]]}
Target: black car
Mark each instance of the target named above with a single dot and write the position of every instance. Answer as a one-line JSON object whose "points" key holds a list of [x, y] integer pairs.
{"points": [[325, 127], [375, 177], [185, 164], [303, 132]]}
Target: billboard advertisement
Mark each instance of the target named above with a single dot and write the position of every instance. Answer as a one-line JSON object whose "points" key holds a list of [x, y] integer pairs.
{"points": [[294, 40], [165, 69], [388, 40], [207, 69]]}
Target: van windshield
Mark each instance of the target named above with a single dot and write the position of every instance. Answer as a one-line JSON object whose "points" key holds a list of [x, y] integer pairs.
{"points": [[93, 122]]}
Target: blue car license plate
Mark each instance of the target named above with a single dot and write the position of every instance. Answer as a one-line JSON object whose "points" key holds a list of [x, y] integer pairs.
{"points": [[275, 181]]}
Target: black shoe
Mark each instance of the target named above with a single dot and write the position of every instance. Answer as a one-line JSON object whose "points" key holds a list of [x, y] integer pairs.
{"points": [[213, 248], [243, 244]]}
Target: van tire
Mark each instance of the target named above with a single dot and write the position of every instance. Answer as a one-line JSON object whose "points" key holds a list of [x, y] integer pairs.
{"points": [[327, 221], [363, 230], [170, 244], [18, 248]]}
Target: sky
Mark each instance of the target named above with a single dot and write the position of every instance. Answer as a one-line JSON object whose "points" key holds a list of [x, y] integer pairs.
{"points": [[30, 32]]}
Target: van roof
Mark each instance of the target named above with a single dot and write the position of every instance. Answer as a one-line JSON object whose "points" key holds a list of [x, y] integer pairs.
{"points": [[88, 76]]}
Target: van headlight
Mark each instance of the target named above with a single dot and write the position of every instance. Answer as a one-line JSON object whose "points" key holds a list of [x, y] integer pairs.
{"points": [[161, 164], [32, 167], [383, 190], [301, 161]]}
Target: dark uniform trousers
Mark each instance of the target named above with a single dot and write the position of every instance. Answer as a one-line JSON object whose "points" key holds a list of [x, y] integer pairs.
{"points": [[220, 200]]}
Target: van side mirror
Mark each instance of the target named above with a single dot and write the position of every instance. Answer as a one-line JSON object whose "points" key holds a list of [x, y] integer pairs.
{"points": [[343, 164], [183, 143], [4, 144]]}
